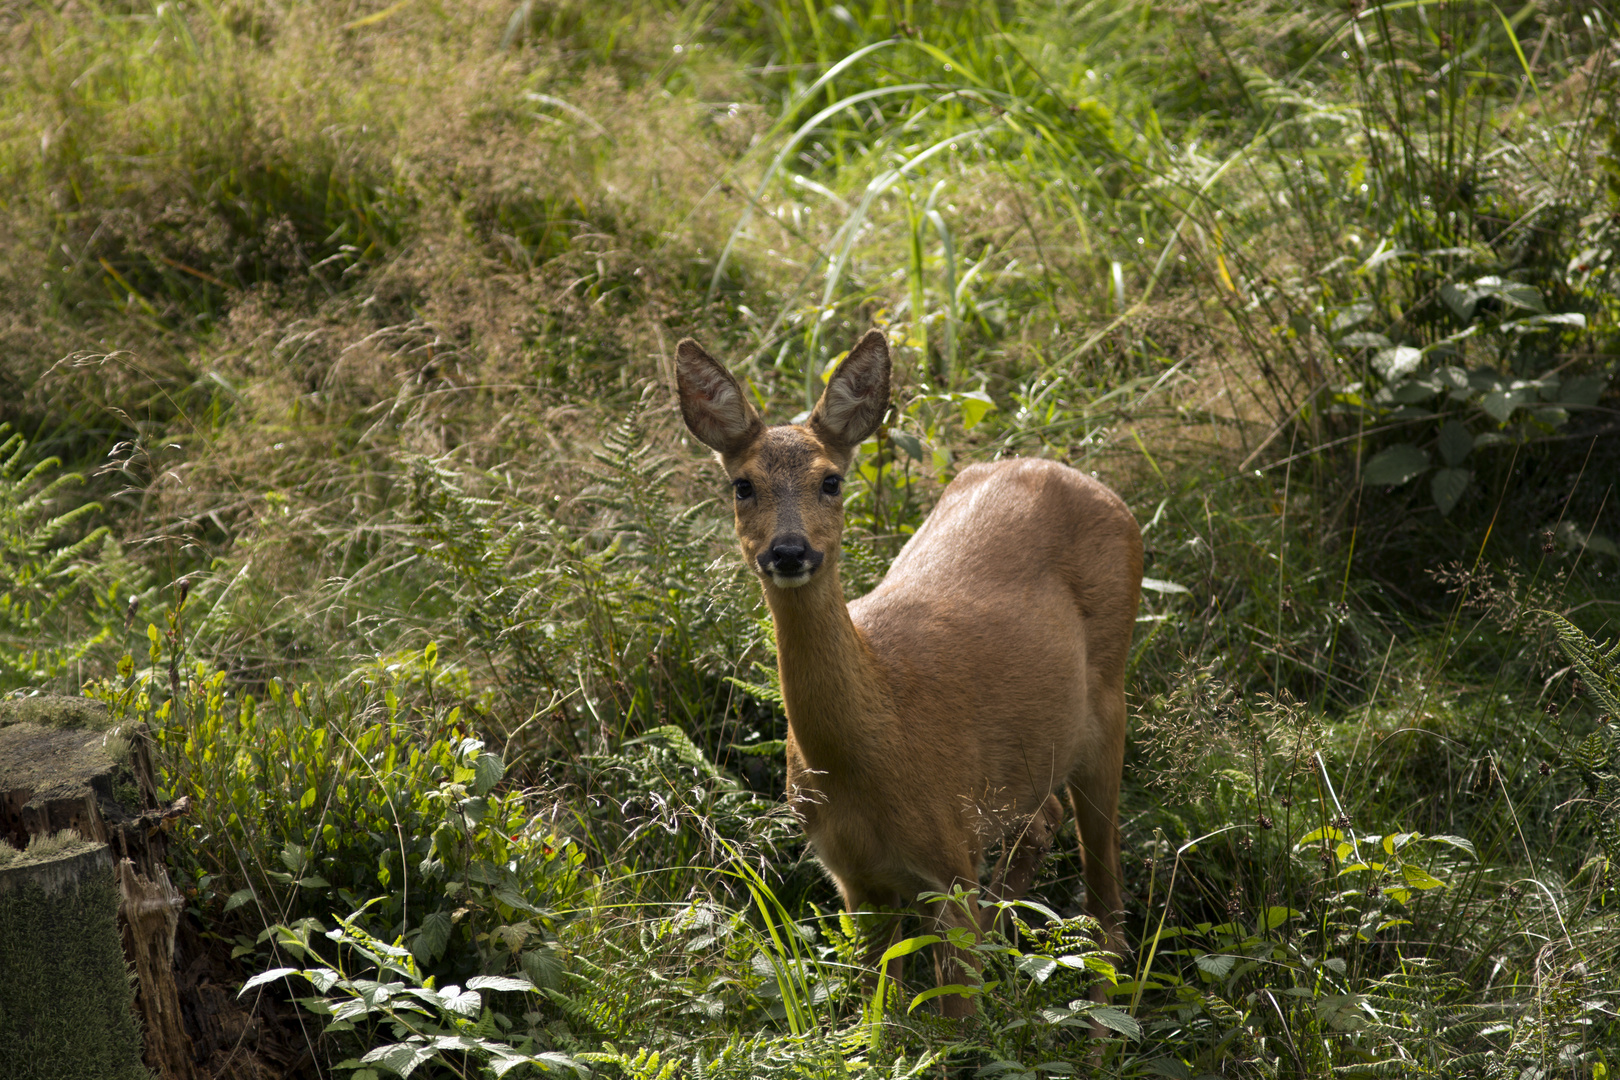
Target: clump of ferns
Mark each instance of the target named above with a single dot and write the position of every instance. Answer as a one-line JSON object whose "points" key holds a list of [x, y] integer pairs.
{"points": [[1597, 757], [678, 813], [45, 575], [592, 627]]}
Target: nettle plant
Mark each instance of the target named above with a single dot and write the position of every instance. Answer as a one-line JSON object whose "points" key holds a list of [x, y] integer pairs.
{"points": [[1481, 384]]}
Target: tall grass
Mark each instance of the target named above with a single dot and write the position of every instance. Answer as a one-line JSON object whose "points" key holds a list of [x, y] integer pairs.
{"points": [[359, 319]]}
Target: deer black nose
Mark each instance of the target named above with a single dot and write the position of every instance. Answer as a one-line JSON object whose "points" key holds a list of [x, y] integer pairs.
{"points": [[786, 555]]}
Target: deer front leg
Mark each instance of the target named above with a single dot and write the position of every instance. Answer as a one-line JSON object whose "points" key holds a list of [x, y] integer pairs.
{"points": [[954, 965], [878, 921]]}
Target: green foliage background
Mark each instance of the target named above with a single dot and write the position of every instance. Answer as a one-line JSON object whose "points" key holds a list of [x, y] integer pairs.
{"points": [[336, 340]]}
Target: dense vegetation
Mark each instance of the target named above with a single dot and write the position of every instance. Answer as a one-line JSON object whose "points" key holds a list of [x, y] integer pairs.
{"points": [[335, 346]]}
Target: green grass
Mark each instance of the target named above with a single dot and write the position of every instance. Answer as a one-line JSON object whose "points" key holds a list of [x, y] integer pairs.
{"points": [[357, 321]]}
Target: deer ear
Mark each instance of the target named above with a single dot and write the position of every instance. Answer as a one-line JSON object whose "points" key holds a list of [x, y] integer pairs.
{"points": [[713, 405], [856, 397]]}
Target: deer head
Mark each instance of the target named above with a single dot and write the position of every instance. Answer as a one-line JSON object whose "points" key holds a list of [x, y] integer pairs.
{"points": [[788, 479]]}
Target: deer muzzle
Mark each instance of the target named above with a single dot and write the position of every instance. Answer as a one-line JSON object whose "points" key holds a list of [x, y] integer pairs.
{"points": [[789, 561]]}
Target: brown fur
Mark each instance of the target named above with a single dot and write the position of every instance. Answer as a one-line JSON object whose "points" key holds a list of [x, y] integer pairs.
{"points": [[940, 713]]}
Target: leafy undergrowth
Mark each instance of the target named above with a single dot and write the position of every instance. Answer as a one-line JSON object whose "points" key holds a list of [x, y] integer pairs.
{"points": [[355, 322]]}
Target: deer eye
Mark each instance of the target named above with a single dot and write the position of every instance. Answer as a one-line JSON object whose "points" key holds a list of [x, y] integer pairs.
{"points": [[745, 489], [832, 485]]}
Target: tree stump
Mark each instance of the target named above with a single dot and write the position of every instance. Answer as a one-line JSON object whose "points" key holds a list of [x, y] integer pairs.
{"points": [[79, 818]]}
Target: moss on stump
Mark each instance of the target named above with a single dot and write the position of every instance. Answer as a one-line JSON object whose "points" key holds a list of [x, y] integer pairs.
{"points": [[66, 994]]}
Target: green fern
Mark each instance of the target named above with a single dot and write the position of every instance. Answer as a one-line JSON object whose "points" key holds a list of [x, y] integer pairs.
{"points": [[1597, 758], [50, 586], [1599, 665], [492, 573]]}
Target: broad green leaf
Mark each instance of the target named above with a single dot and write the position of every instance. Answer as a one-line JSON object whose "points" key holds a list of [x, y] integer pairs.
{"points": [[1215, 964], [1454, 841], [1361, 339], [907, 947], [1039, 968], [543, 966], [487, 772], [1419, 878], [499, 982], [975, 405], [961, 989], [238, 898], [1354, 315], [433, 937], [768, 748], [1116, 1019], [267, 976], [1395, 465], [1451, 377], [515, 900], [1512, 293], [548, 1061], [475, 809], [1562, 318], [1276, 916], [1395, 363], [912, 445], [1447, 486], [400, 1058], [1499, 404], [1326, 831], [1460, 300], [1582, 391], [465, 1002], [1456, 443]]}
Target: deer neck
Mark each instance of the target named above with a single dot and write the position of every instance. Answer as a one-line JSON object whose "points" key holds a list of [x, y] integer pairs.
{"points": [[831, 680]]}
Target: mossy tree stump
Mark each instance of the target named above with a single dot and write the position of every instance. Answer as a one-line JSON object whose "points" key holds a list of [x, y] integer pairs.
{"points": [[81, 839]]}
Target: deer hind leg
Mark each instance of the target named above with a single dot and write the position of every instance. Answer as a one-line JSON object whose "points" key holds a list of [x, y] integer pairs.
{"points": [[1015, 871], [1094, 794]]}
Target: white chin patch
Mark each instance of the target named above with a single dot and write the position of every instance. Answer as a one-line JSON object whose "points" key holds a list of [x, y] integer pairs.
{"points": [[789, 581]]}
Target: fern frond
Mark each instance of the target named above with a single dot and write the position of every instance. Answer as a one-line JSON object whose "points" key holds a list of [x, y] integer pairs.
{"points": [[1598, 664]]}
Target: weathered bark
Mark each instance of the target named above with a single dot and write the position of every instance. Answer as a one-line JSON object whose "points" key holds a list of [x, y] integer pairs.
{"points": [[62, 768]]}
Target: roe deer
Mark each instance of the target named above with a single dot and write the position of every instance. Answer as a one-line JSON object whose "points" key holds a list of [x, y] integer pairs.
{"points": [[938, 714]]}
